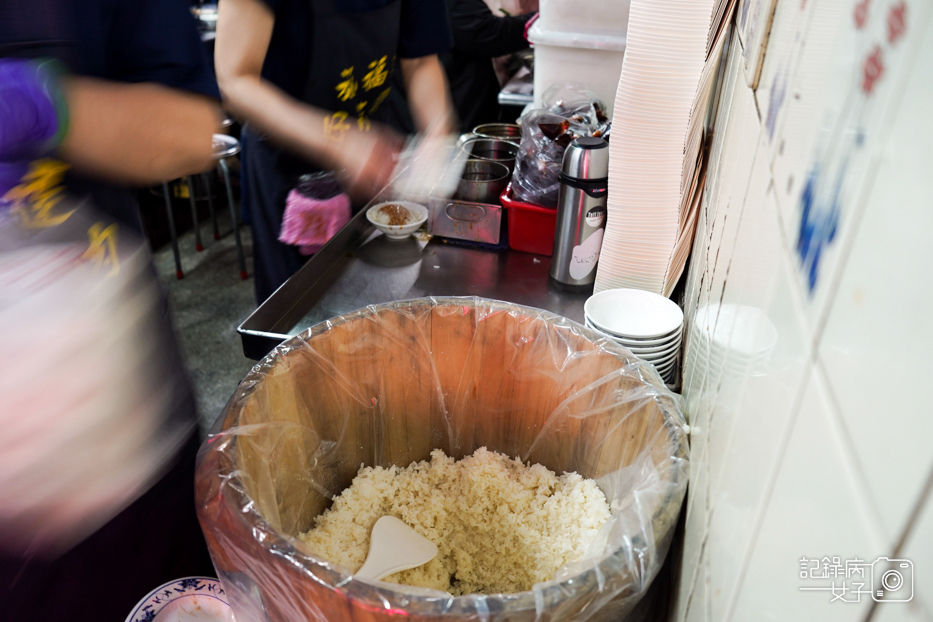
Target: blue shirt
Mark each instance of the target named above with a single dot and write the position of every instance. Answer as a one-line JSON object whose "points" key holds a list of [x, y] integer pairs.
{"points": [[120, 40]]}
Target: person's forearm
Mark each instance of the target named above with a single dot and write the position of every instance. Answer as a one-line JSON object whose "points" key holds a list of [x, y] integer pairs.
{"points": [[137, 133], [363, 159], [428, 95], [244, 30], [289, 122]]}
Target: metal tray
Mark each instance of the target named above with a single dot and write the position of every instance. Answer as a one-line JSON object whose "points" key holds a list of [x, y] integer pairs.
{"points": [[464, 220], [359, 267]]}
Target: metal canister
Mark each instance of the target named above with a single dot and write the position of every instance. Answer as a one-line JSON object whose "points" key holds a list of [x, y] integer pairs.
{"points": [[581, 214]]}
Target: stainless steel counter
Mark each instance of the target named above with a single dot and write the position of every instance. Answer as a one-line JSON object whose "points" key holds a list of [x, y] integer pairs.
{"points": [[519, 90], [359, 267]]}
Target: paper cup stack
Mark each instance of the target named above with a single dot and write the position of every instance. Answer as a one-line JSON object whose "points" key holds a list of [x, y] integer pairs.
{"points": [[646, 323]]}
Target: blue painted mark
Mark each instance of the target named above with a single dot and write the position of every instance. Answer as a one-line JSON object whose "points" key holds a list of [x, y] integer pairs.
{"points": [[776, 100], [819, 222]]}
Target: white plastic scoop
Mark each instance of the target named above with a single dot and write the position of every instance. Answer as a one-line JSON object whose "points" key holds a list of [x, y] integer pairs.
{"points": [[394, 546]]}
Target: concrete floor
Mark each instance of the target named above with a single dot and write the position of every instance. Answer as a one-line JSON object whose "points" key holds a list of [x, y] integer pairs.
{"points": [[208, 304]]}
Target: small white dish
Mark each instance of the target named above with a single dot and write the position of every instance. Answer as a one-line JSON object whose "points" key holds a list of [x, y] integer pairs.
{"points": [[656, 350], [633, 313], [189, 599], [381, 214], [660, 361], [664, 351], [630, 342], [666, 368]]}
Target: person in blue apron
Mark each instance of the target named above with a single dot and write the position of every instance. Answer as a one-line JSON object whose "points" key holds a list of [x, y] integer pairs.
{"points": [[313, 81], [93, 90]]}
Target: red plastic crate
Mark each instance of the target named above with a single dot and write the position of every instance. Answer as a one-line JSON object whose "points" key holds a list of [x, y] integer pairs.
{"points": [[531, 227]]}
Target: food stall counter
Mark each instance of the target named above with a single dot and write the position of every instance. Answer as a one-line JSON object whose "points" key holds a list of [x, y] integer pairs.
{"points": [[360, 267]]}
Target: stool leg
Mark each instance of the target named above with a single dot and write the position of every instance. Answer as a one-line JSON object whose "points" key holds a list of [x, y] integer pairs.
{"points": [[205, 179], [171, 228], [236, 221], [194, 216]]}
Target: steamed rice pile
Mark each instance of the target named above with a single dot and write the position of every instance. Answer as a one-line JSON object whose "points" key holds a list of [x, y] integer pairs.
{"points": [[500, 526]]}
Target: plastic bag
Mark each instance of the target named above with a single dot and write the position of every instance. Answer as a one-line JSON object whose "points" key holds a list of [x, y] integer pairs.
{"points": [[389, 383], [569, 111]]}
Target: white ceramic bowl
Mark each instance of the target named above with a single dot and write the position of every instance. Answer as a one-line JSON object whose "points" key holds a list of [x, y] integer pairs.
{"points": [[380, 219], [665, 369], [668, 345], [633, 313], [191, 599], [655, 350], [660, 361], [627, 341]]}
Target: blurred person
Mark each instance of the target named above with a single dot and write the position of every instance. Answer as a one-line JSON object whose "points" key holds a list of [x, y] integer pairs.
{"points": [[99, 425], [479, 37], [313, 82]]}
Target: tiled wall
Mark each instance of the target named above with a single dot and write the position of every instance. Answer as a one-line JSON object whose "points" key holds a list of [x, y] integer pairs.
{"points": [[809, 302]]}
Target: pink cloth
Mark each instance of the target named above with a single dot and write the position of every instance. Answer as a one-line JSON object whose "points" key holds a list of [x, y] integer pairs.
{"points": [[309, 223]]}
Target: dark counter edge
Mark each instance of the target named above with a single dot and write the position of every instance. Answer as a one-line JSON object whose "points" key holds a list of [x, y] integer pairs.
{"points": [[269, 325]]}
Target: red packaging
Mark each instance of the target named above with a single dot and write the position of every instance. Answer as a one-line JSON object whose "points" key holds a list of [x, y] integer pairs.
{"points": [[531, 227]]}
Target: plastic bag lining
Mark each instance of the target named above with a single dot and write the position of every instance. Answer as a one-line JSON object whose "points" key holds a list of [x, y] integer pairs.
{"points": [[572, 401]]}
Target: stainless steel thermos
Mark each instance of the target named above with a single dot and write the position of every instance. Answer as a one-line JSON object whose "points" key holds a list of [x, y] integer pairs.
{"points": [[581, 214]]}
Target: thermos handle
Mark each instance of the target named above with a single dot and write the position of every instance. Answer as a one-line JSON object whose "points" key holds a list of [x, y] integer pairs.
{"points": [[596, 188]]}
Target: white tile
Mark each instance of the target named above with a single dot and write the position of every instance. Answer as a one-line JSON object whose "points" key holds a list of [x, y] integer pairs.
{"points": [[731, 80], [756, 271], [813, 91], [698, 606], [784, 42], [814, 511], [833, 125], [914, 611], [723, 214], [919, 549], [694, 541], [695, 528], [731, 157], [745, 454], [876, 345], [754, 22], [734, 173]]}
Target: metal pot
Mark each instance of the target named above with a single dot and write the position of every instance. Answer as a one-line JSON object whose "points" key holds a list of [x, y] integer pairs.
{"points": [[508, 131], [482, 181], [492, 149]]}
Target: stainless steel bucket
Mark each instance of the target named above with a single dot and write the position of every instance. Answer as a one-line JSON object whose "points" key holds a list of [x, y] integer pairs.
{"points": [[482, 181]]}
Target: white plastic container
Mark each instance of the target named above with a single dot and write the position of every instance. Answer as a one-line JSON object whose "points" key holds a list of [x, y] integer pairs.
{"points": [[594, 60], [586, 16]]}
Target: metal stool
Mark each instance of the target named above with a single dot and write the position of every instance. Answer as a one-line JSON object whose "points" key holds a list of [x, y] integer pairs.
{"points": [[225, 147], [198, 245]]}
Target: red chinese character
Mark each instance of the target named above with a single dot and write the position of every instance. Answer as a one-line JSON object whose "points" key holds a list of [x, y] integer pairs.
{"points": [[861, 13], [897, 22], [872, 70]]}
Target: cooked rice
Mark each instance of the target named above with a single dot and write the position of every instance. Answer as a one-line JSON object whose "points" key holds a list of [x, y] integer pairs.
{"points": [[500, 526]]}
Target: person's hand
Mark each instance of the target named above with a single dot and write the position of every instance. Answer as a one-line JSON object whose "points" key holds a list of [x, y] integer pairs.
{"points": [[364, 161], [33, 115]]}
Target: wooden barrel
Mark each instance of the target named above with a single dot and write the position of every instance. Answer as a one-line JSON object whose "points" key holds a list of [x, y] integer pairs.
{"points": [[387, 384]]}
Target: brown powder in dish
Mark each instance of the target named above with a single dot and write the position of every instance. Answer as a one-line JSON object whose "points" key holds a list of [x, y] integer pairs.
{"points": [[396, 214]]}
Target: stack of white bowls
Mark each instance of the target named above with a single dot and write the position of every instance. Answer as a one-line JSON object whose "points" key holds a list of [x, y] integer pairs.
{"points": [[648, 324], [733, 339]]}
